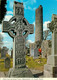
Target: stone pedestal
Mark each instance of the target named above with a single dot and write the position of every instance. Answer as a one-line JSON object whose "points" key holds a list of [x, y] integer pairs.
{"points": [[50, 69], [21, 72]]}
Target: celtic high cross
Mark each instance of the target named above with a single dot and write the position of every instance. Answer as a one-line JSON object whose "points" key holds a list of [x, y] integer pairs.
{"points": [[18, 28]]}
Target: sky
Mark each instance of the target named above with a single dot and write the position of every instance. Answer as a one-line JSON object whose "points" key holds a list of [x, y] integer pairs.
{"points": [[49, 8]]}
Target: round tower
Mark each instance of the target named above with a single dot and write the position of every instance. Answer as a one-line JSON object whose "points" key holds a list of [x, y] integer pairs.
{"points": [[39, 24]]}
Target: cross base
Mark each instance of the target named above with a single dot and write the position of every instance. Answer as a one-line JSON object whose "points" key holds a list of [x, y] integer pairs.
{"points": [[21, 72], [50, 69]]}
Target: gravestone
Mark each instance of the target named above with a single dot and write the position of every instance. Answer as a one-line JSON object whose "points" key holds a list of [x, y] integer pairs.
{"points": [[46, 48], [4, 51], [50, 69], [34, 50], [7, 62], [18, 28]]}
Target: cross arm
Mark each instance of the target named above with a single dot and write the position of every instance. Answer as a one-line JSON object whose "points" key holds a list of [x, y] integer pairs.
{"points": [[31, 28], [5, 26]]}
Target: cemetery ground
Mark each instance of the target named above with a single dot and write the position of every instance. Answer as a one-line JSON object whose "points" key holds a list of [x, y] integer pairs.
{"points": [[35, 65]]}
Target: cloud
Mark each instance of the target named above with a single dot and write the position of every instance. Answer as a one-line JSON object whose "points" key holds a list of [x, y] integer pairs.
{"points": [[8, 45], [34, 8], [11, 2], [35, 1], [29, 8], [7, 17], [9, 13], [27, 4], [45, 25], [34, 23], [6, 42], [29, 41], [3, 34]]}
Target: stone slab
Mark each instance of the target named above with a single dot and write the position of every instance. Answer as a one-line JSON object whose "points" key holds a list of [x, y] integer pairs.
{"points": [[46, 73], [50, 71], [21, 72], [52, 60]]}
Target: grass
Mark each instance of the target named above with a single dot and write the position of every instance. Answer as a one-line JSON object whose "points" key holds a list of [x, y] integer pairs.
{"points": [[2, 67], [37, 64]]}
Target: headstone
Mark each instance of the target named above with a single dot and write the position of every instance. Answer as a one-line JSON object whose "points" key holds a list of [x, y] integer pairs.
{"points": [[50, 69], [34, 50], [7, 62], [4, 51], [18, 28], [46, 48]]}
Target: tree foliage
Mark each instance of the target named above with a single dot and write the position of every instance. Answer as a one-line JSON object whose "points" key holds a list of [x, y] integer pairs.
{"points": [[52, 25], [2, 9], [46, 34]]}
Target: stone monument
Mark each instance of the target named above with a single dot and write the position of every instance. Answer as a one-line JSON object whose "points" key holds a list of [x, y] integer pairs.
{"points": [[7, 62], [50, 69], [39, 24], [38, 32], [46, 48], [34, 51], [18, 28], [4, 51]]}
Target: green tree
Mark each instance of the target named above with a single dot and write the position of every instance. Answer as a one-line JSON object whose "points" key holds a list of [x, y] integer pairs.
{"points": [[2, 9]]}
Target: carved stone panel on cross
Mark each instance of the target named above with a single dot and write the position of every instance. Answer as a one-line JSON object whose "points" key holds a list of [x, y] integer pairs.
{"points": [[18, 9], [53, 24]]}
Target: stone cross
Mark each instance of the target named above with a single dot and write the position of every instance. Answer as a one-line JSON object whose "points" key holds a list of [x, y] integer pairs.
{"points": [[18, 28], [50, 69], [54, 34]]}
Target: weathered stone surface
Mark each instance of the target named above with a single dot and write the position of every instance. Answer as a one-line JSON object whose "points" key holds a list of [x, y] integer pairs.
{"points": [[4, 51], [34, 50], [2, 74], [38, 33], [21, 72], [50, 69], [18, 28], [7, 62], [39, 24], [46, 48]]}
